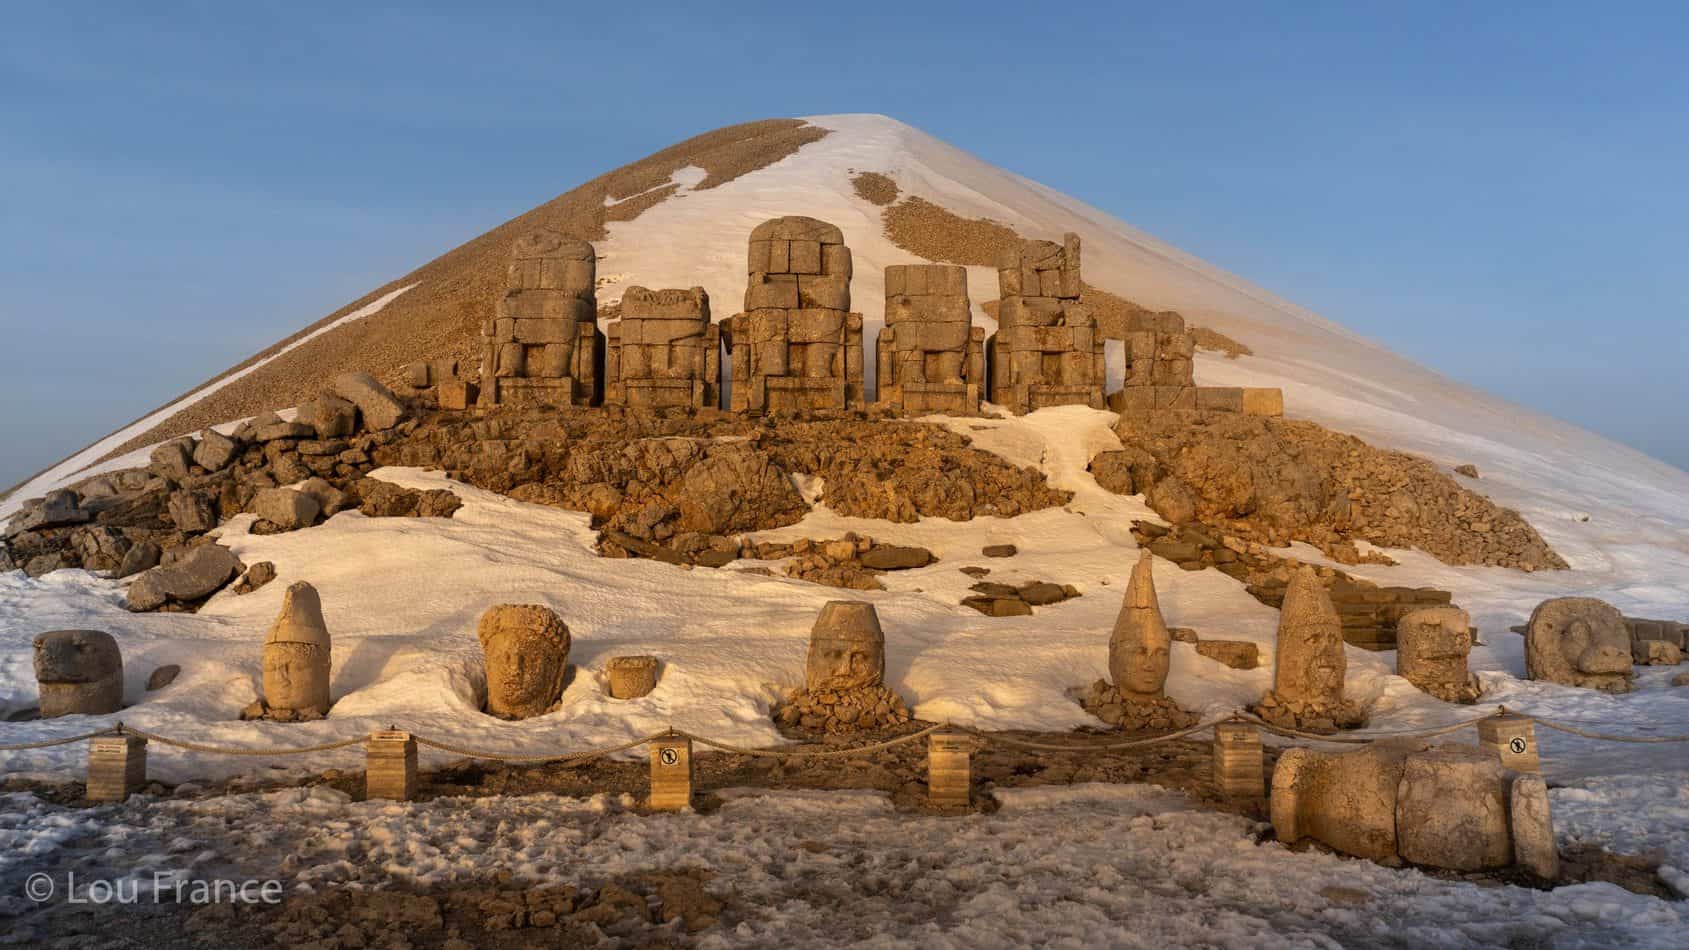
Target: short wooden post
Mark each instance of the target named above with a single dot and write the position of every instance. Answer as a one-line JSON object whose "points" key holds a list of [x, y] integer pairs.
{"points": [[1239, 762], [948, 774], [117, 766], [671, 773], [390, 765], [1512, 737]]}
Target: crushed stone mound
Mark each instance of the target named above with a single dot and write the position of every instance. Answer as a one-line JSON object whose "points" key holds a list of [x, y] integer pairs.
{"points": [[1279, 480], [1324, 719], [1132, 713], [679, 481], [835, 712]]}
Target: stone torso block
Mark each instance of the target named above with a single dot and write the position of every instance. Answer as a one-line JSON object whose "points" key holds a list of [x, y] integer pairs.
{"points": [[931, 358], [1046, 351], [665, 352], [543, 346], [796, 346]]}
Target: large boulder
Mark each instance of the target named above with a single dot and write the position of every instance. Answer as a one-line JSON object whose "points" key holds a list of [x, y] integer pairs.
{"points": [[215, 451], [57, 509], [1431, 648], [379, 407], [1579, 641], [1345, 800], [1454, 807], [297, 655], [1451, 811], [192, 511], [329, 416], [79, 672], [174, 460], [196, 575], [526, 647], [286, 508], [736, 488]]}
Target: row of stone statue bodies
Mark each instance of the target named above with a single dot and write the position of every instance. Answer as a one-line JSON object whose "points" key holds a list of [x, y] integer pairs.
{"points": [[797, 346]]}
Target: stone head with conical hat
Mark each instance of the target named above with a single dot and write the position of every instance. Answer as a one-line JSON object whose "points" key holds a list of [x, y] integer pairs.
{"points": [[297, 653], [847, 649], [1140, 649]]}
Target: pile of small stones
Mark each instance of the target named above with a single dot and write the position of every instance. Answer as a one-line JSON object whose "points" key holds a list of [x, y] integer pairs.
{"points": [[1007, 600], [842, 711], [1134, 713]]}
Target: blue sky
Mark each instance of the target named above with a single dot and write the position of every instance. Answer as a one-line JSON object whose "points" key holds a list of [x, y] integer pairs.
{"points": [[1495, 190]]}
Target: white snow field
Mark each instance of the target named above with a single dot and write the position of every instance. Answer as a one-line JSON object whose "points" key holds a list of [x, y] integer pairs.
{"points": [[402, 596]]}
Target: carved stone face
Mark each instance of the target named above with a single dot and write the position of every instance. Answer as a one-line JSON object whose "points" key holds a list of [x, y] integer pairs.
{"points": [[847, 649], [1432, 645], [296, 676], [527, 656], [1310, 664], [1579, 641], [76, 656], [1145, 667]]}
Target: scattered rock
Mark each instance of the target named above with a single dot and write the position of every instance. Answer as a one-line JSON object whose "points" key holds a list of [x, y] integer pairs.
{"points": [[215, 451], [287, 509], [142, 555], [1656, 653], [172, 461], [192, 577], [891, 557], [163, 676], [1006, 600], [999, 550], [378, 406], [1185, 635], [1469, 470], [1237, 654], [329, 417], [255, 577]]}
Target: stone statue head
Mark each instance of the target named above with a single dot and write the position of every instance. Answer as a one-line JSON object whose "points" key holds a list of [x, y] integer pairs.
{"points": [[526, 647], [298, 653], [1579, 641], [1431, 648], [76, 656], [1140, 648], [1309, 664], [847, 649]]}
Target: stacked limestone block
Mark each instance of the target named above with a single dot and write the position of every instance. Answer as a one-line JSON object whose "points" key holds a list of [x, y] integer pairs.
{"points": [[931, 358], [797, 347], [1160, 373], [1046, 351], [665, 352], [544, 346], [440, 382]]}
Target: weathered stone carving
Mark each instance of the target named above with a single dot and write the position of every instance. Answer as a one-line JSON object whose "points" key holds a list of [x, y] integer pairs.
{"points": [[79, 672], [1139, 655], [630, 677], [1579, 641], [1451, 807], [544, 346], [847, 649], [665, 352], [931, 358], [797, 346], [527, 655], [1046, 351], [844, 678], [1431, 648], [297, 657], [1308, 663]]}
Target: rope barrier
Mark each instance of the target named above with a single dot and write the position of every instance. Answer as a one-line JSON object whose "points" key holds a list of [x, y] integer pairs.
{"points": [[1089, 746], [49, 743], [528, 757], [1572, 731], [226, 750], [1362, 740], [821, 754]]}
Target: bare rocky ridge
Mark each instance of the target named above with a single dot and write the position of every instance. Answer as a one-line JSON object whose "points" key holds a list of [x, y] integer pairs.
{"points": [[1278, 480]]}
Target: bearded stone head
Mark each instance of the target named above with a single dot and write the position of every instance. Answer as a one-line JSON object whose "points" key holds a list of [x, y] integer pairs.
{"points": [[847, 649]]}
